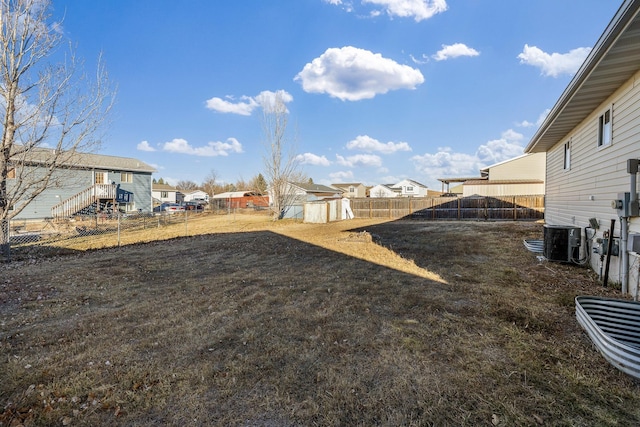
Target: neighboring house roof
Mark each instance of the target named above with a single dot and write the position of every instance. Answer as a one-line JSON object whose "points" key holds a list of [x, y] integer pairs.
{"points": [[486, 170], [389, 187], [347, 184], [234, 194], [315, 188], [93, 161], [162, 187], [461, 179], [614, 59], [503, 181], [415, 183]]}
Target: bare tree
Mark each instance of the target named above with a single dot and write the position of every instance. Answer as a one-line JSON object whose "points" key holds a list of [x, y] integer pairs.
{"points": [[280, 163], [49, 111], [209, 186], [258, 184], [186, 185]]}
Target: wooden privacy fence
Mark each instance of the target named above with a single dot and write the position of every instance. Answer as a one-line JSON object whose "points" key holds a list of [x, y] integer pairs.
{"points": [[451, 208]]}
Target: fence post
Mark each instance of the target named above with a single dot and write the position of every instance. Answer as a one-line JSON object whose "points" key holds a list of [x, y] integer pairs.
{"points": [[186, 215], [486, 208], [118, 217], [370, 208], [515, 209], [390, 210], [459, 209]]}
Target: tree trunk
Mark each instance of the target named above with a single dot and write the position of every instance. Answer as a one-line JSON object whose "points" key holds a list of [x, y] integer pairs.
{"points": [[5, 247]]}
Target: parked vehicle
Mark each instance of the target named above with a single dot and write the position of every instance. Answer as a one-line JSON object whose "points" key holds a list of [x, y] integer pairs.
{"points": [[169, 208], [193, 206]]}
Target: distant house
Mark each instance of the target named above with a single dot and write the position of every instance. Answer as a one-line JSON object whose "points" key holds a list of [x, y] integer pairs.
{"points": [[352, 190], [239, 200], [164, 193], [591, 143], [90, 183], [520, 176], [411, 188], [383, 190], [404, 188]]}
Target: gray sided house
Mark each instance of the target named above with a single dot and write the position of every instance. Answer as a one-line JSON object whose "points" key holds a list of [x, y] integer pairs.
{"points": [[90, 183], [591, 139], [301, 193]]}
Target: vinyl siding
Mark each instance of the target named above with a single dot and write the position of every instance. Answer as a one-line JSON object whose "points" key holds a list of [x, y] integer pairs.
{"points": [[531, 166], [502, 189], [597, 174], [74, 181]]}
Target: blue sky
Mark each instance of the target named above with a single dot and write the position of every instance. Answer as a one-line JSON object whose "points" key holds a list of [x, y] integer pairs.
{"points": [[377, 90]]}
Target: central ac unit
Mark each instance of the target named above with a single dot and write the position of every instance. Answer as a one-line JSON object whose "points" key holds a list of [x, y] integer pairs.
{"points": [[561, 242]]}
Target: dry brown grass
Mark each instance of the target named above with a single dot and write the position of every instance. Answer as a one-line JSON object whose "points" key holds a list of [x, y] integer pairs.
{"points": [[287, 324]]}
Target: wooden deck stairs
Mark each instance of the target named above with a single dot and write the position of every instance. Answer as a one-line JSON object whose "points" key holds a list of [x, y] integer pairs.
{"points": [[84, 199]]}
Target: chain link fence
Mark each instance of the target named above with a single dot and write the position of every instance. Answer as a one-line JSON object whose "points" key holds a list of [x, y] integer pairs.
{"points": [[30, 238]]}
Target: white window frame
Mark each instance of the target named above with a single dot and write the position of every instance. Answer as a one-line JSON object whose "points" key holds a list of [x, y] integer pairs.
{"points": [[126, 177], [605, 128], [101, 177], [566, 165]]}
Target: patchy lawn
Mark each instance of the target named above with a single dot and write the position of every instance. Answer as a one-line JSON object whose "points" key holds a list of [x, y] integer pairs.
{"points": [[288, 324]]}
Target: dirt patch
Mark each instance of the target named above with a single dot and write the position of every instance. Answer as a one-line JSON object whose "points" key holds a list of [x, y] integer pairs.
{"points": [[251, 322]]}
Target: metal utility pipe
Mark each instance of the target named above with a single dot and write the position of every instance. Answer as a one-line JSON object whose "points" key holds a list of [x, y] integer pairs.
{"points": [[632, 169], [609, 250], [624, 274]]}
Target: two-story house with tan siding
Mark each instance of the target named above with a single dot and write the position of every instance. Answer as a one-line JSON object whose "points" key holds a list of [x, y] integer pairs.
{"points": [[589, 136], [353, 189], [520, 176]]}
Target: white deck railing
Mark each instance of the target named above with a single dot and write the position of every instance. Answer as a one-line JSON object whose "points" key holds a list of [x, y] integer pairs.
{"points": [[83, 199]]}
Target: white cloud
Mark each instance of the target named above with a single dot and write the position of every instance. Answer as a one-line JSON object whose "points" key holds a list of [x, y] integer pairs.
{"points": [[212, 149], [144, 146], [312, 159], [359, 160], [454, 51], [341, 176], [423, 59], [446, 163], [416, 9], [247, 104], [554, 64], [525, 124], [543, 116], [352, 74], [267, 99], [368, 144], [346, 5], [242, 108]]}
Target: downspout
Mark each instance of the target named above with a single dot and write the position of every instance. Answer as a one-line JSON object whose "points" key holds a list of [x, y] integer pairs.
{"points": [[632, 169], [624, 234]]}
